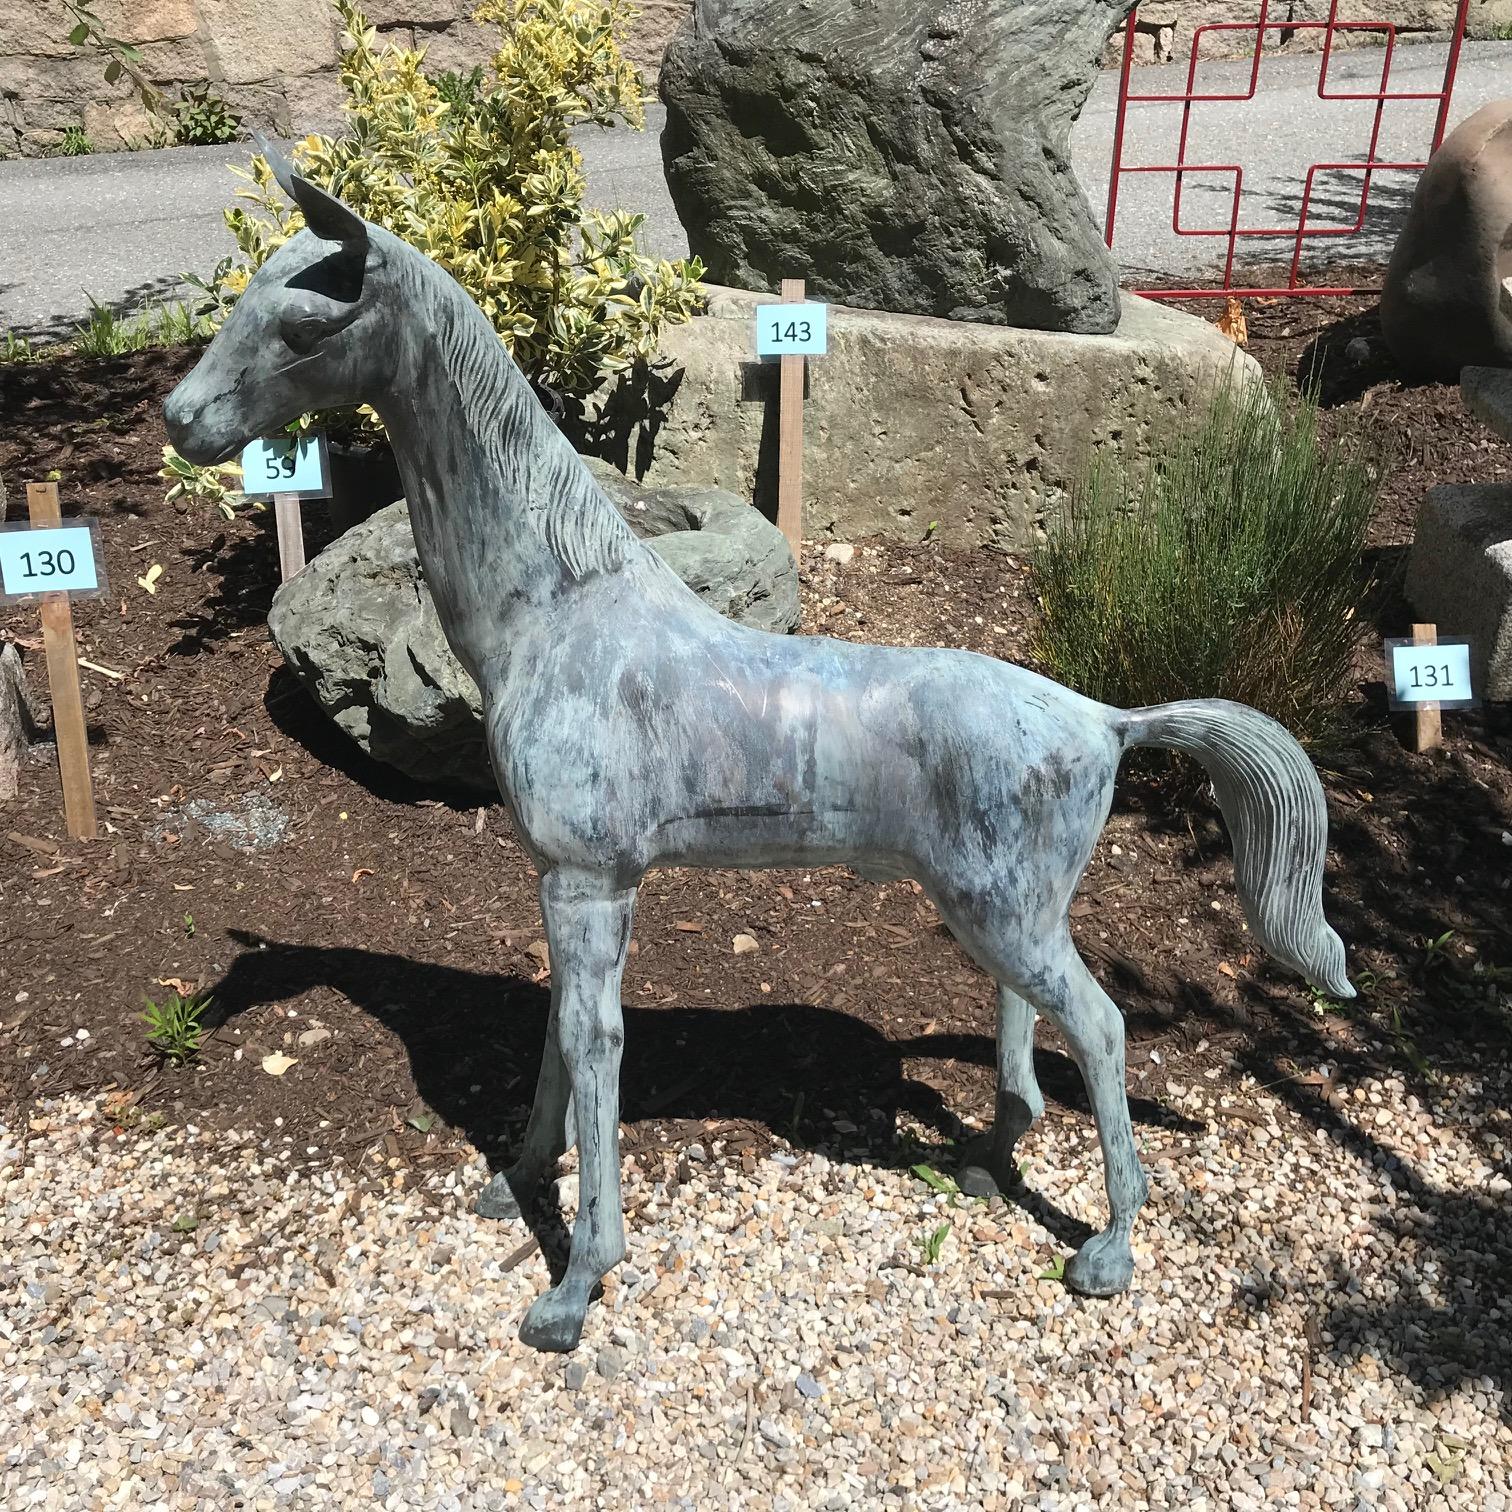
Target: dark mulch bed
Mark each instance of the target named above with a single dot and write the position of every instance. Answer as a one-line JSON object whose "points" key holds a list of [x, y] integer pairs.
{"points": [[404, 922]]}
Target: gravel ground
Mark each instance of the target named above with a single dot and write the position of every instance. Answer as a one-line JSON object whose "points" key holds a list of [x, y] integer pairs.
{"points": [[1316, 1320]]}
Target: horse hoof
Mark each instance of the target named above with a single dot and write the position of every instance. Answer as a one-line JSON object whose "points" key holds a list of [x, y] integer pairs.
{"points": [[978, 1181], [553, 1323], [1102, 1267], [982, 1174], [497, 1200]]}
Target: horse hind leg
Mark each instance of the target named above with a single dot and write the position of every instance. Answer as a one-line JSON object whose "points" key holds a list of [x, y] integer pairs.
{"points": [[549, 1134], [989, 1166], [1067, 993]]}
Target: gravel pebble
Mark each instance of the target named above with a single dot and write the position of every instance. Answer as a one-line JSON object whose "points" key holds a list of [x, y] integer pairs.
{"points": [[1318, 1320]]}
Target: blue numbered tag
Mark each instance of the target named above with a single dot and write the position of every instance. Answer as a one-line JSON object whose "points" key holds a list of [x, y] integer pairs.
{"points": [[287, 465], [59, 559], [792, 330], [1429, 674]]}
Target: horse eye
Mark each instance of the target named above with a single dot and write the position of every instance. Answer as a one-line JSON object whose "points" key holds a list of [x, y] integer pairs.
{"points": [[302, 332]]}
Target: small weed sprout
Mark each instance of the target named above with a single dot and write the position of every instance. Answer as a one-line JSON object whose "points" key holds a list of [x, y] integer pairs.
{"points": [[1322, 1004], [1436, 951], [175, 1027], [933, 1243], [75, 143], [106, 334], [15, 348], [935, 1181], [1055, 1271]]}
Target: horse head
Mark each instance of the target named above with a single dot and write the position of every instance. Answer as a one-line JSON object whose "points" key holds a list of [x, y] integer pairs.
{"points": [[301, 337]]}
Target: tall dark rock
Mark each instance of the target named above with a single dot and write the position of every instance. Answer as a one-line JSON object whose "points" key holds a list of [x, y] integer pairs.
{"points": [[901, 155]]}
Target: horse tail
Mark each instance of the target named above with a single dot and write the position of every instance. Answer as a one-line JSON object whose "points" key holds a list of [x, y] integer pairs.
{"points": [[1273, 805]]}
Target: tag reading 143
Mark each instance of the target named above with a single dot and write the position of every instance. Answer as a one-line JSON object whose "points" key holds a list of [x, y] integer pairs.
{"points": [[60, 559], [792, 330]]}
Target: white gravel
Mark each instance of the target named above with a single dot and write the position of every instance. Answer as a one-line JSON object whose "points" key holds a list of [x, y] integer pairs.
{"points": [[324, 1336]]}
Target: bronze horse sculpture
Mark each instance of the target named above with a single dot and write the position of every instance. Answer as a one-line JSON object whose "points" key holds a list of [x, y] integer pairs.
{"points": [[632, 727]]}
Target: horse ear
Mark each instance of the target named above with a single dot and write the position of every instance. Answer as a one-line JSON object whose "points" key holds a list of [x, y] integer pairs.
{"points": [[324, 214]]}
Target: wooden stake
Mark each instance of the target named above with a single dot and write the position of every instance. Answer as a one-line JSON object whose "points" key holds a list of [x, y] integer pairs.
{"points": [[790, 437], [1428, 725], [63, 679], [291, 556]]}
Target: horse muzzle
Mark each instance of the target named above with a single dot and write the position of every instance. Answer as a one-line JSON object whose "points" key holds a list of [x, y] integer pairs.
{"points": [[193, 428]]}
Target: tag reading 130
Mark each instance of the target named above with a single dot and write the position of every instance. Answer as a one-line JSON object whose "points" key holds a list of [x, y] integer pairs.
{"points": [[59, 559]]}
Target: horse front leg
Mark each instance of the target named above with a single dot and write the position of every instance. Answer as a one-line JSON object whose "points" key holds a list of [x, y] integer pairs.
{"points": [[588, 923]]}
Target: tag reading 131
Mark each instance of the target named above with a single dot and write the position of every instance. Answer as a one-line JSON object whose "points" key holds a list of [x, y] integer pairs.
{"points": [[287, 465], [792, 330], [60, 559], [1431, 674]]}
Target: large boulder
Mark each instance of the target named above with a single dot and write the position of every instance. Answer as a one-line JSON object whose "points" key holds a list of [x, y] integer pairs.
{"points": [[1447, 301], [359, 628], [1459, 570], [897, 155]]}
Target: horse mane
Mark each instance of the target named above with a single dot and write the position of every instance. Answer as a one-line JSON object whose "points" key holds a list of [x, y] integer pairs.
{"points": [[533, 460]]}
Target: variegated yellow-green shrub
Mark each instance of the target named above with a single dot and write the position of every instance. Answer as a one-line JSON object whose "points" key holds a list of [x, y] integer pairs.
{"points": [[480, 174]]}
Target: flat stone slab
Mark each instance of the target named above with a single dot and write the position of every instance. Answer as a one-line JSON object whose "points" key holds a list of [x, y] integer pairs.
{"points": [[1487, 393], [912, 419], [1459, 576]]}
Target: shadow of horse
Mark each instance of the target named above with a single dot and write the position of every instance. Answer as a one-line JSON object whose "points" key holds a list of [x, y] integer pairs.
{"points": [[808, 1074]]}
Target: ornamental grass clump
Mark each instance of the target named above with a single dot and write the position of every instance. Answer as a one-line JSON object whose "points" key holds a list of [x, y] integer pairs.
{"points": [[479, 173], [1232, 568]]}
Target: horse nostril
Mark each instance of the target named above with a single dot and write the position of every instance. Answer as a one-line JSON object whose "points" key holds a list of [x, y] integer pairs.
{"points": [[178, 417]]}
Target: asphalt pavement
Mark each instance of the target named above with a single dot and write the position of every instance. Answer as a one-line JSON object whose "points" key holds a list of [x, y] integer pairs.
{"points": [[123, 227]]}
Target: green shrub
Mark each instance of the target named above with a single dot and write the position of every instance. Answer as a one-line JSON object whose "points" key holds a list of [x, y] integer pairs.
{"points": [[213, 484], [1231, 569], [106, 334], [478, 171], [202, 119]]}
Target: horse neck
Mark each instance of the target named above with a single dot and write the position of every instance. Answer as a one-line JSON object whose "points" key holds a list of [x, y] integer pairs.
{"points": [[507, 520]]}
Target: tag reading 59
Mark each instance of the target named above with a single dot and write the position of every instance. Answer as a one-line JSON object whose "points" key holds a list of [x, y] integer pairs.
{"points": [[287, 465]]}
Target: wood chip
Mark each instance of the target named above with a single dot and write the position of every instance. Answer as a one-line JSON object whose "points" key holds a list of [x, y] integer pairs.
{"points": [[33, 843], [521, 1255]]}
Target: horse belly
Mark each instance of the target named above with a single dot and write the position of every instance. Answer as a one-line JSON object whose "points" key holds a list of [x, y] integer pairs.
{"points": [[752, 838]]}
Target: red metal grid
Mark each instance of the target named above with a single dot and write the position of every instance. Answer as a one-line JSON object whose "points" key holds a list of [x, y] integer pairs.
{"points": [[1300, 232]]}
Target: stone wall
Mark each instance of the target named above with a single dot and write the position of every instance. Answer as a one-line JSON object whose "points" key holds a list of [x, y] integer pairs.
{"points": [[1164, 28], [273, 61]]}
